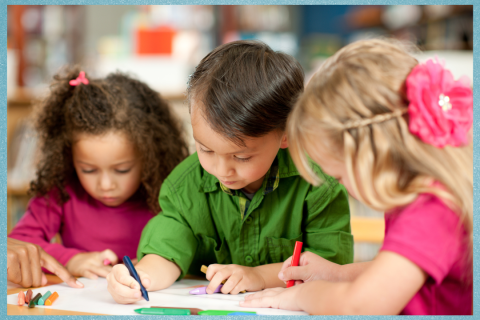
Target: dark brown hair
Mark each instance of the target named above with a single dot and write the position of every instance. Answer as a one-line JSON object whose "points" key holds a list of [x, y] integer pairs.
{"points": [[117, 102], [246, 89]]}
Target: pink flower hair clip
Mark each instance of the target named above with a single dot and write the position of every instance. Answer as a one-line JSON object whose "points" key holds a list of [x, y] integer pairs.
{"points": [[80, 79], [440, 109]]}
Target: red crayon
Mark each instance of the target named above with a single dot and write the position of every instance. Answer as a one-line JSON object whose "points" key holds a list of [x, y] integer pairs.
{"points": [[28, 296], [295, 260]]}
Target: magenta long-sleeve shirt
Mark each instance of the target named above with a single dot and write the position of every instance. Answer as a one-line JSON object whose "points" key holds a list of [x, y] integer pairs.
{"points": [[85, 225]]}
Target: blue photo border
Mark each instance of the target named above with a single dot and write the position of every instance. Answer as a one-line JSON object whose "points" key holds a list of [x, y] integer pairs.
{"points": [[3, 116]]}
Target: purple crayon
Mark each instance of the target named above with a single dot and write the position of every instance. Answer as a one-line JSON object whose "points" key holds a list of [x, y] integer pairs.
{"points": [[203, 290]]}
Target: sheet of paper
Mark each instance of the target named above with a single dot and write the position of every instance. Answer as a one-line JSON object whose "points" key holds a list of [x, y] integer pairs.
{"points": [[95, 298]]}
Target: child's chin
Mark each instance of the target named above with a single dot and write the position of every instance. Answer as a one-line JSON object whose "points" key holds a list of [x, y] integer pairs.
{"points": [[111, 203]]}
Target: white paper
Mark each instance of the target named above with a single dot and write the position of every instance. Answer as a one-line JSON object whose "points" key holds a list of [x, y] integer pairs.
{"points": [[95, 298]]}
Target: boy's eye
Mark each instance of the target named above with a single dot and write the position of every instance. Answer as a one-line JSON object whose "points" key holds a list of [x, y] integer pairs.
{"points": [[243, 159], [206, 151], [89, 171], [123, 171]]}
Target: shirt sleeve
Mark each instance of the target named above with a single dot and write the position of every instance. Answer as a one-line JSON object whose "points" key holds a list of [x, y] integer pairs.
{"points": [[168, 234], [40, 223], [327, 225], [429, 234]]}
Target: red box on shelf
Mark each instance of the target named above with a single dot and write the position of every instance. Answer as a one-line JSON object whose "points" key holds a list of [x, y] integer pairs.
{"points": [[155, 41]]}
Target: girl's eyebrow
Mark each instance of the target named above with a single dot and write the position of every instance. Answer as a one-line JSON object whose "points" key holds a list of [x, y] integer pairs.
{"points": [[116, 164]]}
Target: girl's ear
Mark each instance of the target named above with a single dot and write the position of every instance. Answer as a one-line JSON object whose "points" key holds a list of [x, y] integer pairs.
{"points": [[284, 142]]}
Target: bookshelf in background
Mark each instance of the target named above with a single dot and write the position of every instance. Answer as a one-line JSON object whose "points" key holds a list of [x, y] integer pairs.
{"points": [[44, 38], [430, 27], [18, 144]]}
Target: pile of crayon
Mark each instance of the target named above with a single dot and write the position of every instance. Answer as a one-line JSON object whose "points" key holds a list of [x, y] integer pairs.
{"points": [[46, 300]]}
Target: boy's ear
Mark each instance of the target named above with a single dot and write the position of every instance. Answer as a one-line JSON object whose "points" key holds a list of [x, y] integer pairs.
{"points": [[284, 143]]}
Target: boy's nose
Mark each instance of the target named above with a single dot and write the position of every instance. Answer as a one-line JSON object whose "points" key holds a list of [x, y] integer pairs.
{"points": [[224, 170]]}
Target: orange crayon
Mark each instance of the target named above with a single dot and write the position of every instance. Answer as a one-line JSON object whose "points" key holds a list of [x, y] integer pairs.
{"points": [[21, 298], [51, 299]]}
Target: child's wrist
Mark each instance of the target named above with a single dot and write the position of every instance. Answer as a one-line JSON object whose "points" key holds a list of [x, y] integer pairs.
{"points": [[338, 273], [258, 271]]}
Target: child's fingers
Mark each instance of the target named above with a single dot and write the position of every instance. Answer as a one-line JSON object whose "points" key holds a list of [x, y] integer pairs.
{"points": [[287, 263], [212, 270], [145, 278], [90, 275], [220, 275], [231, 283], [51, 264], [121, 286], [305, 258], [110, 256], [264, 293], [239, 287], [101, 271], [121, 293], [127, 295], [122, 276], [262, 302], [294, 273], [35, 265]]}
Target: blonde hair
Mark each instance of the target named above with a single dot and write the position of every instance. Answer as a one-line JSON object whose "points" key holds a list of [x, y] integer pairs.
{"points": [[355, 109]]}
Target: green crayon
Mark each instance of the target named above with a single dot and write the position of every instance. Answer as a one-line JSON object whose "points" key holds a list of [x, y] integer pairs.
{"points": [[220, 312], [166, 312], [34, 301], [42, 300]]}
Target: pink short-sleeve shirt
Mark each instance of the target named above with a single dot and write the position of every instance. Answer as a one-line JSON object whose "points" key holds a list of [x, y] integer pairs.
{"points": [[430, 234]]}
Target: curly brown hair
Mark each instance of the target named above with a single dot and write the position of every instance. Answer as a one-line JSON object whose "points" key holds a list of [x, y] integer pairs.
{"points": [[117, 102]]}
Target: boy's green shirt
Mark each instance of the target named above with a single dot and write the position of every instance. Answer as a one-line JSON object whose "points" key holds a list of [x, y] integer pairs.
{"points": [[204, 222]]}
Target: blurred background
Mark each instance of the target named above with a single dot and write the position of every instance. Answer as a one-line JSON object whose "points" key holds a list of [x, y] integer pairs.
{"points": [[161, 45]]}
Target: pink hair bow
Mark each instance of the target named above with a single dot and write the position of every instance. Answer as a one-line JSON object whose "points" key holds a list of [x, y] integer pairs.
{"points": [[80, 79]]}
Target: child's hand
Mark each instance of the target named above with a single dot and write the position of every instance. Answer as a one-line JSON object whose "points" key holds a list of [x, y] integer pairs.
{"points": [[123, 287], [240, 278], [311, 267], [90, 264], [277, 298]]}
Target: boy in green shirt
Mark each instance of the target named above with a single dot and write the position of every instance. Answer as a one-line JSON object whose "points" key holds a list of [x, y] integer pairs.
{"points": [[239, 201]]}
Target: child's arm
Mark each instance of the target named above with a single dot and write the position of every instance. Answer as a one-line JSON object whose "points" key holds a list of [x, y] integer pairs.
{"points": [[162, 273], [313, 267], [240, 278], [155, 272], [385, 287], [40, 223]]}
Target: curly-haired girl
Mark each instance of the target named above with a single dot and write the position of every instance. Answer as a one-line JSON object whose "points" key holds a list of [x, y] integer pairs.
{"points": [[396, 134], [107, 145]]}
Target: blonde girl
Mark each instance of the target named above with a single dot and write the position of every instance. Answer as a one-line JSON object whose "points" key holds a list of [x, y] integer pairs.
{"points": [[396, 134]]}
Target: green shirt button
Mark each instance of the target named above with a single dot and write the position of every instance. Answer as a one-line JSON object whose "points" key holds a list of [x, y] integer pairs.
{"points": [[248, 259], [248, 220]]}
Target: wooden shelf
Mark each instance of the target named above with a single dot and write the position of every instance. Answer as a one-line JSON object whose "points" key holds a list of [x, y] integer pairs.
{"points": [[17, 191]]}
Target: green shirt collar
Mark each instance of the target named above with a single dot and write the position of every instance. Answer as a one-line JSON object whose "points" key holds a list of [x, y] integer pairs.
{"points": [[282, 167]]}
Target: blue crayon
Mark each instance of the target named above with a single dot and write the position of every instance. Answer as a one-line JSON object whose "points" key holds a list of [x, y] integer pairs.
{"points": [[133, 273]]}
